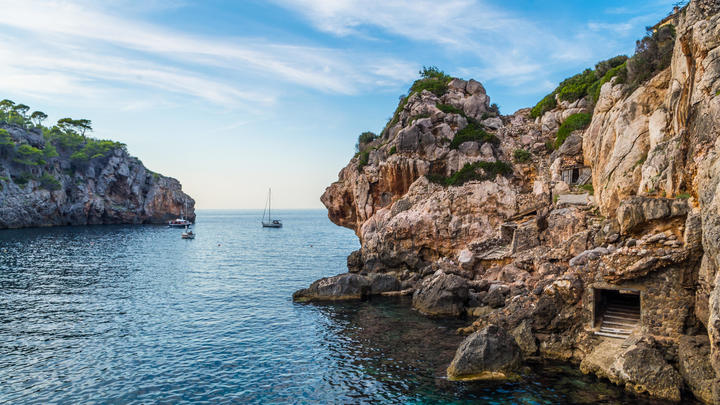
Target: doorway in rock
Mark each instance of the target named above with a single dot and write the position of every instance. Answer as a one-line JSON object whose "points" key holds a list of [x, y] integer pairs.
{"points": [[616, 313]]}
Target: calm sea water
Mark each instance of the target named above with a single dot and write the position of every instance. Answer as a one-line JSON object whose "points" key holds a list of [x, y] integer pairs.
{"points": [[135, 314]]}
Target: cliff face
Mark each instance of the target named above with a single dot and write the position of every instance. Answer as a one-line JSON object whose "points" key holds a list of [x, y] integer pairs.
{"points": [[110, 187], [538, 251]]}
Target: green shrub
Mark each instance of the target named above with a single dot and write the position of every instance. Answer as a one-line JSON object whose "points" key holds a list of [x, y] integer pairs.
{"points": [[450, 109], [683, 196], [28, 155], [589, 188], [22, 179], [653, 54], [366, 137], [576, 87], [393, 151], [546, 104], [472, 132], [48, 182], [601, 68], [433, 80], [469, 172], [49, 151], [572, 123], [521, 155], [619, 71], [363, 159]]}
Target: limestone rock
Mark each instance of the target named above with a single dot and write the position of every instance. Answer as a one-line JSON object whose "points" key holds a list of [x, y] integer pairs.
{"points": [[442, 295], [346, 286], [694, 355], [490, 353]]}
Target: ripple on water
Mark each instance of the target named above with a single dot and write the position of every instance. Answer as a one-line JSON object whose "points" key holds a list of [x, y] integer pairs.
{"points": [[134, 314]]}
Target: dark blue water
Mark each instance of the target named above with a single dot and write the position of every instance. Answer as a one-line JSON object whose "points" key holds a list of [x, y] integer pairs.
{"points": [[135, 314]]}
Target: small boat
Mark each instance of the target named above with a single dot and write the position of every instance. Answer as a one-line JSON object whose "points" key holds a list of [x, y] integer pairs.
{"points": [[188, 234], [180, 222], [270, 223]]}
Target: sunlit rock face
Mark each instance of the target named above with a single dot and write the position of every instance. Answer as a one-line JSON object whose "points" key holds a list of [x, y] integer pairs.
{"points": [[113, 189], [529, 252]]}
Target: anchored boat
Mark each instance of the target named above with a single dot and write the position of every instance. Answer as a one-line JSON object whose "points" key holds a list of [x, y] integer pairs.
{"points": [[270, 223], [180, 222], [188, 234]]}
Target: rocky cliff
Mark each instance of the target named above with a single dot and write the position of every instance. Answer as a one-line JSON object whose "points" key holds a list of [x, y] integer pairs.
{"points": [[592, 240], [54, 176]]}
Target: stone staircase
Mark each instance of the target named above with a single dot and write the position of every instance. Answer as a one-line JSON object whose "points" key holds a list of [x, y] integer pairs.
{"points": [[619, 321]]}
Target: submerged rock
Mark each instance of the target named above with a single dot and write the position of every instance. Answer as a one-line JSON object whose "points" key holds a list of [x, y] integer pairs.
{"points": [[490, 353]]}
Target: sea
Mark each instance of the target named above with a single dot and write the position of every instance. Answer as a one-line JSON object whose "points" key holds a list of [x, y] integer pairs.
{"points": [[134, 314]]}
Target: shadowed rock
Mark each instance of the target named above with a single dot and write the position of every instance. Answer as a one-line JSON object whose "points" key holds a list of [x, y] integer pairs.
{"points": [[442, 295], [490, 353]]}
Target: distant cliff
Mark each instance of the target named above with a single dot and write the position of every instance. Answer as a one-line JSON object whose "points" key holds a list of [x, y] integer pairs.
{"points": [[587, 228], [58, 176]]}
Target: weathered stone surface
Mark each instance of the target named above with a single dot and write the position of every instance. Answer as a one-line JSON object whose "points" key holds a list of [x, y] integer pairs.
{"points": [[441, 295], [639, 210], [640, 368], [346, 286], [694, 362], [490, 353]]}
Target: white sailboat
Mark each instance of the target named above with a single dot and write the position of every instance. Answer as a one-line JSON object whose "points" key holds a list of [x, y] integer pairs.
{"points": [[188, 234], [270, 223], [180, 222]]}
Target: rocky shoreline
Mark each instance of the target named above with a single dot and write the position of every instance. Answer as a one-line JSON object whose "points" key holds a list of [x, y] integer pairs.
{"points": [[602, 250], [48, 179]]}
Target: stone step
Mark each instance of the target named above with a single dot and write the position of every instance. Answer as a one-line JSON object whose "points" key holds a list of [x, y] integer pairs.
{"points": [[615, 330], [611, 335], [619, 314], [626, 323]]}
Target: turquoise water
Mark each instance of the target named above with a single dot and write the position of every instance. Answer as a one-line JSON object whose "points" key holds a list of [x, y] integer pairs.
{"points": [[135, 314]]}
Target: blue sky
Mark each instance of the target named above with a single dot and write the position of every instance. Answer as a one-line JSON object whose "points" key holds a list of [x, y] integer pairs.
{"points": [[232, 97]]}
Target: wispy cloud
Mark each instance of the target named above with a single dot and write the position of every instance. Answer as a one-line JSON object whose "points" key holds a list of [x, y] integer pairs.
{"points": [[508, 47], [70, 46]]}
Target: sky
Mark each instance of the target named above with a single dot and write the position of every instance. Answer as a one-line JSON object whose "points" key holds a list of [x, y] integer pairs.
{"points": [[234, 97]]}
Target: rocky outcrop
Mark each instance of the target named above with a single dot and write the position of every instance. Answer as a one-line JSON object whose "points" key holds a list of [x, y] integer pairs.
{"points": [[530, 252], [347, 286], [487, 354], [442, 295], [111, 187]]}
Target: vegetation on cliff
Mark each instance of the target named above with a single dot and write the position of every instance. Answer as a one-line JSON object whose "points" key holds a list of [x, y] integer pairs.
{"points": [[66, 140], [473, 171], [572, 123], [653, 54]]}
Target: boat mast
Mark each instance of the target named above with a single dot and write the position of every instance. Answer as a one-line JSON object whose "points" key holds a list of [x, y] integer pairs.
{"points": [[269, 204]]}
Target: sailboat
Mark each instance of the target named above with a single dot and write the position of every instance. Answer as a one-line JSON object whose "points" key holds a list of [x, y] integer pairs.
{"points": [[188, 234], [270, 223], [180, 222]]}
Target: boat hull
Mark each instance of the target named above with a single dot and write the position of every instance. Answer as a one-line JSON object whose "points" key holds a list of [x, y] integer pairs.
{"points": [[271, 225]]}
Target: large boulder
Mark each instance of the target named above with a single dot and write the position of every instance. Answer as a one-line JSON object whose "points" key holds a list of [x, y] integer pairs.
{"points": [[441, 295], [639, 367], [694, 356], [346, 286], [490, 353]]}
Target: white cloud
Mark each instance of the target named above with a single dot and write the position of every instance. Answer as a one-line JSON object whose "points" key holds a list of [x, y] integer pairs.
{"points": [[66, 46], [507, 46]]}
